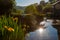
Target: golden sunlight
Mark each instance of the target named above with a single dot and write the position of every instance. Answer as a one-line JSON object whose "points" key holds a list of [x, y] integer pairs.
{"points": [[41, 30]]}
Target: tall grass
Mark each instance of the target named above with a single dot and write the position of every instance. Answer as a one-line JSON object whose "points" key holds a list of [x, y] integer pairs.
{"points": [[9, 29]]}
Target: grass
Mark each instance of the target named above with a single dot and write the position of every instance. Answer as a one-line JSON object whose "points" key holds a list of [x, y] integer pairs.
{"points": [[9, 29]]}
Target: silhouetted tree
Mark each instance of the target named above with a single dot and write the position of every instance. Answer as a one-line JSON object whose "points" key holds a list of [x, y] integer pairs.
{"points": [[6, 6]]}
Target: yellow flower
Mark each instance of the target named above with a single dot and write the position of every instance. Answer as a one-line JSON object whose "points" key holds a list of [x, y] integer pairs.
{"points": [[6, 27], [10, 29], [24, 29], [16, 18], [24, 25]]}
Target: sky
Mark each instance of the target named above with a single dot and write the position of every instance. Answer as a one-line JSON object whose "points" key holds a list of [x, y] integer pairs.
{"points": [[27, 2]]}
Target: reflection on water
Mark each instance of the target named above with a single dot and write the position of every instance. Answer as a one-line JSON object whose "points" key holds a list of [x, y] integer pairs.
{"points": [[48, 33]]}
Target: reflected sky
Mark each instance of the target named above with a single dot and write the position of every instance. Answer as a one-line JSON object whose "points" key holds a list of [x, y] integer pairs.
{"points": [[48, 33]]}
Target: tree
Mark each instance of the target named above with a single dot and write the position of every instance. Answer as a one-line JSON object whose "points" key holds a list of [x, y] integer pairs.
{"points": [[6, 6], [31, 9], [47, 8], [52, 1], [17, 12]]}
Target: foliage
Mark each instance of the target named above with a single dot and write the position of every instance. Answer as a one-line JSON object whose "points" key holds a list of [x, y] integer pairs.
{"points": [[52, 1], [6, 6], [17, 12], [38, 12], [31, 9], [9, 29], [47, 7], [39, 8]]}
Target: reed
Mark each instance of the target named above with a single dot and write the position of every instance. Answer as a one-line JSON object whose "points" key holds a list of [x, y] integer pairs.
{"points": [[9, 29]]}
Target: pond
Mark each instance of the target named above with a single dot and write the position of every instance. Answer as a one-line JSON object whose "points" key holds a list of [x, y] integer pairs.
{"points": [[49, 33]]}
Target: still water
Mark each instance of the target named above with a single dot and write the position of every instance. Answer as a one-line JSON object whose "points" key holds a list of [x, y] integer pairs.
{"points": [[49, 33]]}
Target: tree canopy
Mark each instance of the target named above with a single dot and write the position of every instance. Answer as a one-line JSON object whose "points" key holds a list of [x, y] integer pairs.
{"points": [[31, 9], [6, 6]]}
